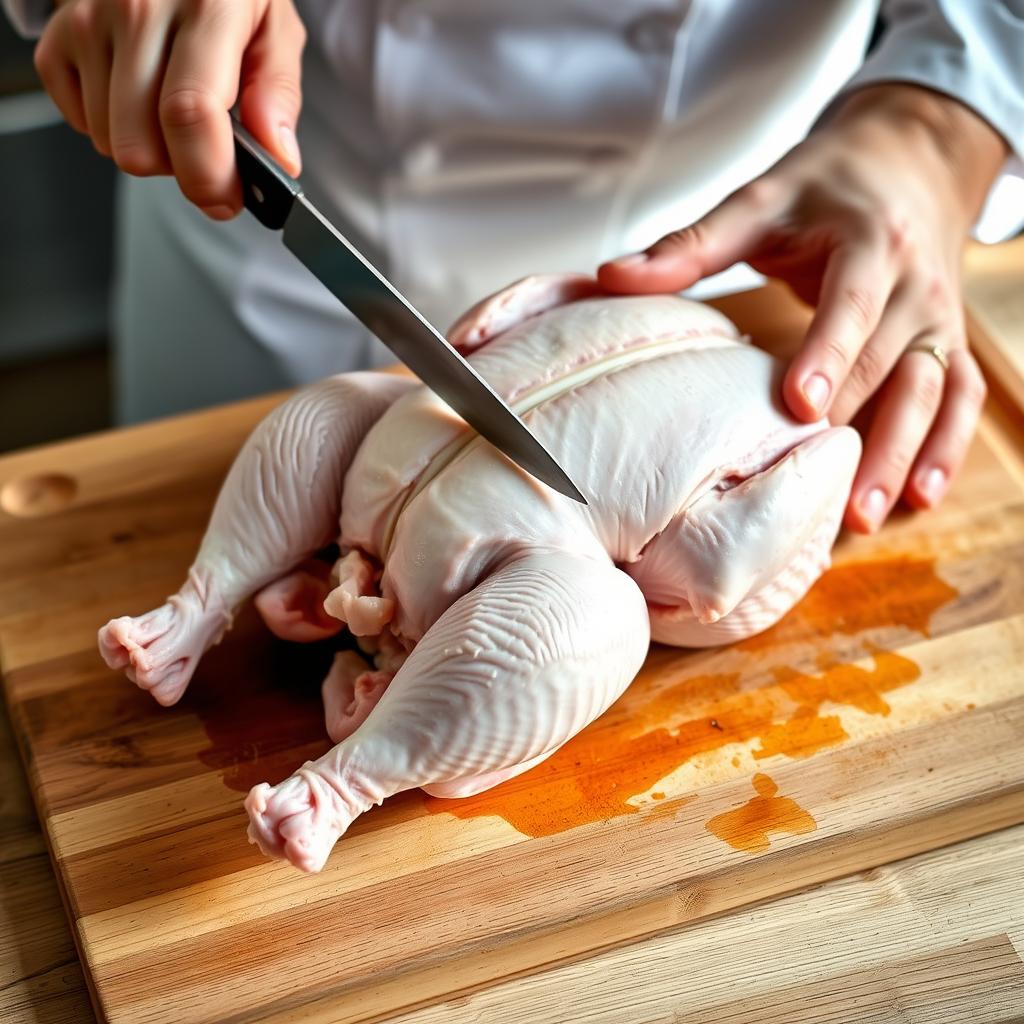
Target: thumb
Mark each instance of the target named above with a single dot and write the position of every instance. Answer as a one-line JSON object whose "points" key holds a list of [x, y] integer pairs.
{"points": [[271, 92], [682, 258]]}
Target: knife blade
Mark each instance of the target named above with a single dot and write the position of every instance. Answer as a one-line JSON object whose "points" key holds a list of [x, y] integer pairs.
{"points": [[278, 202]]}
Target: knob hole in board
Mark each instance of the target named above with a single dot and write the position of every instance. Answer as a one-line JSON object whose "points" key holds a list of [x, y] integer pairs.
{"points": [[40, 495]]}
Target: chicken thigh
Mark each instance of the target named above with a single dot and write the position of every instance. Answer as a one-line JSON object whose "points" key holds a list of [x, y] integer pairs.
{"points": [[501, 618]]}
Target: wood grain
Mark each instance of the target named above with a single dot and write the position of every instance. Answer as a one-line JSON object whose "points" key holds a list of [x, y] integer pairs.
{"points": [[175, 914], [40, 977], [994, 295], [826, 954]]}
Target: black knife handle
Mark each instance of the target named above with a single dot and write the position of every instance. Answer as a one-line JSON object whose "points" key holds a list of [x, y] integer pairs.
{"points": [[267, 191]]}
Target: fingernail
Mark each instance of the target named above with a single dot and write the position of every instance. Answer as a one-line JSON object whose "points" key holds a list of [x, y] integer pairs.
{"points": [[286, 136], [219, 212], [872, 507], [816, 390], [633, 260], [932, 485]]}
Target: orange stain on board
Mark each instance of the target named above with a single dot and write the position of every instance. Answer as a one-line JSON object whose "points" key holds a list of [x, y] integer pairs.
{"points": [[668, 808], [850, 684], [808, 731], [747, 828], [862, 596], [802, 735]]}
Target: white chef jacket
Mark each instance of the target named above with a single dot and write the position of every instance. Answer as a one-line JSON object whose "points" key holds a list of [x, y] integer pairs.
{"points": [[465, 144]]}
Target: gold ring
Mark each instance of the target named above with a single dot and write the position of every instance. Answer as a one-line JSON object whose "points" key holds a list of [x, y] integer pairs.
{"points": [[932, 350]]}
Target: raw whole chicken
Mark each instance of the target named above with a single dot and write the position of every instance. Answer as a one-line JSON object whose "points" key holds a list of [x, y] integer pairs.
{"points": [[500, 617]]}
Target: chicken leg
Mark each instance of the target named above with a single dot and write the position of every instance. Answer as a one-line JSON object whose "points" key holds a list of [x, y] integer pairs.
{"points": [[279, 504], [507, 674]]}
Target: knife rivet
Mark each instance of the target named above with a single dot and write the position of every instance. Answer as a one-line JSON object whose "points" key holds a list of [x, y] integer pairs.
{"points": [[258, 193]]}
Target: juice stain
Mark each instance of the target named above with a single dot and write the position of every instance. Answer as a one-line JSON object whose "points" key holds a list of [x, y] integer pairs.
{"points": [[862, 596], [804, 734], [747, 827], [808, 731], [258, 699], [850, 684], [668, 808]]}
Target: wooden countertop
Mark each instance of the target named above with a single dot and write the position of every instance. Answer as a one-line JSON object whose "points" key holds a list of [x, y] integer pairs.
{"points": [[937, 937]]}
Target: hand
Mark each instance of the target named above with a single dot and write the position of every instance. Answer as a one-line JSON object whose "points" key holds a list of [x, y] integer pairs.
{"points": [[865, 220], [152, 81]]}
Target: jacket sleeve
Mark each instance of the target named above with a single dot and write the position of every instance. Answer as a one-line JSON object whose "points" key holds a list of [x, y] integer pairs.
{"points": [[28, 16], [972, 51]]}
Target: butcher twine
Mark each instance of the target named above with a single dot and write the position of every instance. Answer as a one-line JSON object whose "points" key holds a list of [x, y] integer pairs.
{"points": [[620, 359]]}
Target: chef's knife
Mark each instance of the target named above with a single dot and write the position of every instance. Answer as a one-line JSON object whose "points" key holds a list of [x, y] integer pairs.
{"points": [[277, 201]]}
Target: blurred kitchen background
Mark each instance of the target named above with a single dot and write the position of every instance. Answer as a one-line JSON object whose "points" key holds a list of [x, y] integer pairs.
{"points": [[56, 225]]}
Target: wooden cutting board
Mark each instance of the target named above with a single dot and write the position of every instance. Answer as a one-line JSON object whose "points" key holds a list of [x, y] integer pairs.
{"points": [[883, 716]]}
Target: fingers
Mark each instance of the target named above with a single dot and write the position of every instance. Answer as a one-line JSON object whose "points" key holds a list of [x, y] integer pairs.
{"points": [[714, 243], [907, 408], [94, 58], [198, 90], [900, 322], [60, 79], [152, 83], [943, 453], [271, 93], [136, 139], [855, 289]]}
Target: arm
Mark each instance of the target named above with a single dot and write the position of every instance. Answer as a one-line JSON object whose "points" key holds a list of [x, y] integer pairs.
{"points": [[866, 220], [971, 52]]}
